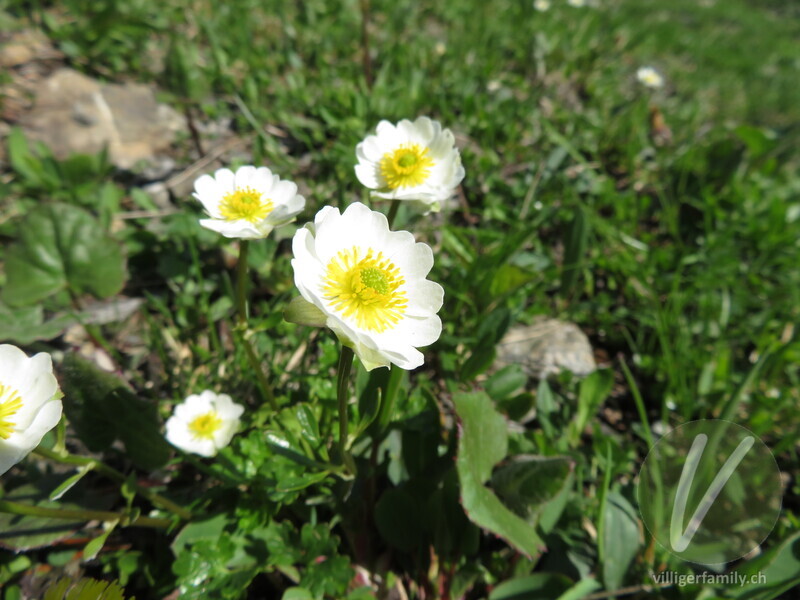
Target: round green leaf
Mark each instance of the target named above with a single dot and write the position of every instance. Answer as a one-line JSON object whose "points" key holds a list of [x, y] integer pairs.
{"points": [[61, 247]]}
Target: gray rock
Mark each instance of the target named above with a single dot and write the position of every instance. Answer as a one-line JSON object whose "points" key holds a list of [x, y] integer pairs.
{"points": [[546, 348], [74, 113]]}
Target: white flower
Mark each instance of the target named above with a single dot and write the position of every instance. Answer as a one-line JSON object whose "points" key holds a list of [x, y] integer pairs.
{"points": [[247, 204], [370, 284], [649, 77], [204, 424], [541, 5], [30, 403], [578, 3], [410, 161]]}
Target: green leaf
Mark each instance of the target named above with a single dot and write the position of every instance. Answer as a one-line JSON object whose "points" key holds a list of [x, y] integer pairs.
{"points": [[484, 443], [308, 423], [139, 428], [594, 389], [505, 382], [539, 586], [771, 574], [490, 331], [61, 247], [22, 159], [620, 539], [301, 482], [92, 549], [70, 482], [535, 487], [758, 141], [85, 391], [26, 324], [484, 437], [397, 516], [84, 589], [296, 593], [506, 279], [546, 406], [210, 529], [580, 590], [575, 241], [454, 535], [102, 409]]}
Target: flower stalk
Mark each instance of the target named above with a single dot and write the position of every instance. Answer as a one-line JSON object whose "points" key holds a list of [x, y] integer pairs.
{"points": [[393, 212], [342, 387]]}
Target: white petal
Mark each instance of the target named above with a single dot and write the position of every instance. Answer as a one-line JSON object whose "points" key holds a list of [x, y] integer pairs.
{"points": [[245, 177], [21, 443], [194, 406], [226, 180], [283, 191], [263, 180], [369, 176], [210, 194], [227, 409], [372, 149], [427, 129], [235, 229], [425, 297], [420, 332], [414, 260], [12, 361]]}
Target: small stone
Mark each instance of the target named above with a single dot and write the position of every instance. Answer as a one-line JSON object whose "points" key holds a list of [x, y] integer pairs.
{"points": [[74, 114], [159, 194], [547, 348]]}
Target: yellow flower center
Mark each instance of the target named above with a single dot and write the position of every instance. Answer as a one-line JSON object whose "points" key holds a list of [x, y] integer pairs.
{"points": [[10, 403], [365, 286], [205, 426], [407, 166], [245, 204]]}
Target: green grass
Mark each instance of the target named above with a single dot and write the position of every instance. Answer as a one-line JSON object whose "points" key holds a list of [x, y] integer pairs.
{"points": [[688, 252]]}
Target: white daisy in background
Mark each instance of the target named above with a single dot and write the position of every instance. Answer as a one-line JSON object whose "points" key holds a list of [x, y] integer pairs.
{"points": [[204, 424], [247, 204], [30, 403], [541, 5], [410, 161], [578, 3], [649, 77], [369, 283]]}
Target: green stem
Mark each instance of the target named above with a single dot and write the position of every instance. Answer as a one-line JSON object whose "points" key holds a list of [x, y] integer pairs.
{"points": [[658, 509], [342, 385], [639, 401], [241, 281], [241, 309], [15, 508], [112, 473], [61, 433], [393, 212], [266, 390]]}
